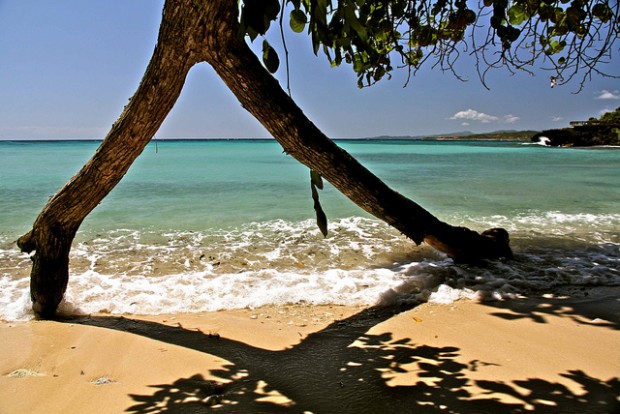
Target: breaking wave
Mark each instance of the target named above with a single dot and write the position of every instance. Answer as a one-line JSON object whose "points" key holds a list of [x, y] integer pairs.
{"points": [[362, 261]]}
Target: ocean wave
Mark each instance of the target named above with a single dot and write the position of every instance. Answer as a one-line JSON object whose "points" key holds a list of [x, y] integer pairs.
{"points": [[362, 261]]}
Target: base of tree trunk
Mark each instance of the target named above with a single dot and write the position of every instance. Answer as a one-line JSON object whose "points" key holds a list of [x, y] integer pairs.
{"points": [[50, 272], [467, 246]]}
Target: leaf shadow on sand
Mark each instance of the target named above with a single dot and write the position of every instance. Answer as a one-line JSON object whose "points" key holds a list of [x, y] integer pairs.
{"points": [[601, 310], [344, 369]]}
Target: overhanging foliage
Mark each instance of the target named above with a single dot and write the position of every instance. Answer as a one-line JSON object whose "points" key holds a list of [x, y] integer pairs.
{"points": [[573, 38]]}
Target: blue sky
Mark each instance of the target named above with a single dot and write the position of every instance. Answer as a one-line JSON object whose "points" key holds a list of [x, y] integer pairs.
{"points": [[68, 67]]}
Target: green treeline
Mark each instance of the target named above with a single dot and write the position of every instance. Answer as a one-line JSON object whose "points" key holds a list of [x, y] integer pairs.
{"points": [[595, 131]]}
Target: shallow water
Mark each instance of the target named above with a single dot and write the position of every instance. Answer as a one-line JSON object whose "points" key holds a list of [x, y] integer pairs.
{"points": [[207, 225]]}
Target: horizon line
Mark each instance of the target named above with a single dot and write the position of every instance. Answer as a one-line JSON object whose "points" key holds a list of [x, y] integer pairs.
{"points": [[459, 134]]}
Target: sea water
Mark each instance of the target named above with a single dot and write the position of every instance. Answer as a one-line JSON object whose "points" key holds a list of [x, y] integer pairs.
{"points": [[203, 225]]}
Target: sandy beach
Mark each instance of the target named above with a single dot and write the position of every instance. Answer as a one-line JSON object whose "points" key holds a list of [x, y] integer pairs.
{"points": [[537, 354]]}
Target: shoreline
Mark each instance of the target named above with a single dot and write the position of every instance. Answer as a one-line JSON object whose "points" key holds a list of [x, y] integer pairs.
{"points": [[544, 354]]}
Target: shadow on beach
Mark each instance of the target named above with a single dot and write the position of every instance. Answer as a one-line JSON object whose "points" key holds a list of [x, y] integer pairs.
{"points": [[599, 309], [343, 369]]}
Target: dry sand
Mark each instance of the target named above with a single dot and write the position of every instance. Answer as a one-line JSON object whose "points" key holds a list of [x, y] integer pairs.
{"points": [[555, 355]]}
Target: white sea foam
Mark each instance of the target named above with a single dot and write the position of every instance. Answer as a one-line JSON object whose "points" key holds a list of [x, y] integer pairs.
{"points": [[362, 262]]}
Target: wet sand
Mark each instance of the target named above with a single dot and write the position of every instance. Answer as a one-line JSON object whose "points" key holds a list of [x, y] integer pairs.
{"points": [[536, 354]]}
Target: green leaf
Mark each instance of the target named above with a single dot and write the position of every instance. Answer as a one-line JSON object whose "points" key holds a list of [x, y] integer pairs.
{"points": [[516, 14], [496, 22], [602, 12], [425, 36], [546, 12], [544, 41], [298, 21], [354, 23], [320, 11], [271, 9], [574, 16], [321, 218], [252, 33], [558, 15], [512, 33], [470, 17], [555, 47], [258, 14], [316, 179], [316, 42], [270, 57], [358, 64]]}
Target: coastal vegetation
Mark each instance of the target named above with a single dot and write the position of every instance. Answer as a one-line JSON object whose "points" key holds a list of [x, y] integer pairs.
{"points": [[374, 38], [498, 136], [471, 136], [490, 136], [593, 132]]}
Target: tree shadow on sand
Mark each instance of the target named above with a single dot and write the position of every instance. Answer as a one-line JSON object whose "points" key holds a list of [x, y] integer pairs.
{"points": [[602, 310], [343, 369]]}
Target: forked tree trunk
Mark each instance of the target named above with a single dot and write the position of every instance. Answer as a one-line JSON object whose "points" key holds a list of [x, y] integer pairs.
{"points": [[192, 31]]}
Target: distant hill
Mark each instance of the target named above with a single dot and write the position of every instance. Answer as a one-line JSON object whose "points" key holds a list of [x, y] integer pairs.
{"points": [[471, 136]]}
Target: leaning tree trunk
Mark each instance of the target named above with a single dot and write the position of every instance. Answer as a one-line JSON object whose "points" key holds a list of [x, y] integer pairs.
{"points": [[192, 31], [263, 97], [180, 37]]}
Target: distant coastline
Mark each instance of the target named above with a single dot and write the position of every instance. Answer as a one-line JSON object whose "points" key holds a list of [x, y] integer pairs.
{"points": [[524, 136], [456, 136], [604, 131], [601, 132]]}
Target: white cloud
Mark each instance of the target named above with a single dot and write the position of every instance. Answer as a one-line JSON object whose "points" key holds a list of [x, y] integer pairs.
{"points": [[605, 94], [474, 115], [511, 119], [557, 118]]}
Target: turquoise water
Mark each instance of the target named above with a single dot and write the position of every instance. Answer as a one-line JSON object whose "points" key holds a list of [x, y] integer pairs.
{"points": [[203, 225]]}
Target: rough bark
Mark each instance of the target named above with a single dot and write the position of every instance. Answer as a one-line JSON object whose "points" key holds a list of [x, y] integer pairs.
{"points": [[181, 35], [193, 31]]}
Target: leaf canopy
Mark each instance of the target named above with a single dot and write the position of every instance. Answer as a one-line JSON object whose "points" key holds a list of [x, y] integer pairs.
{"points": [[375, 36]]}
